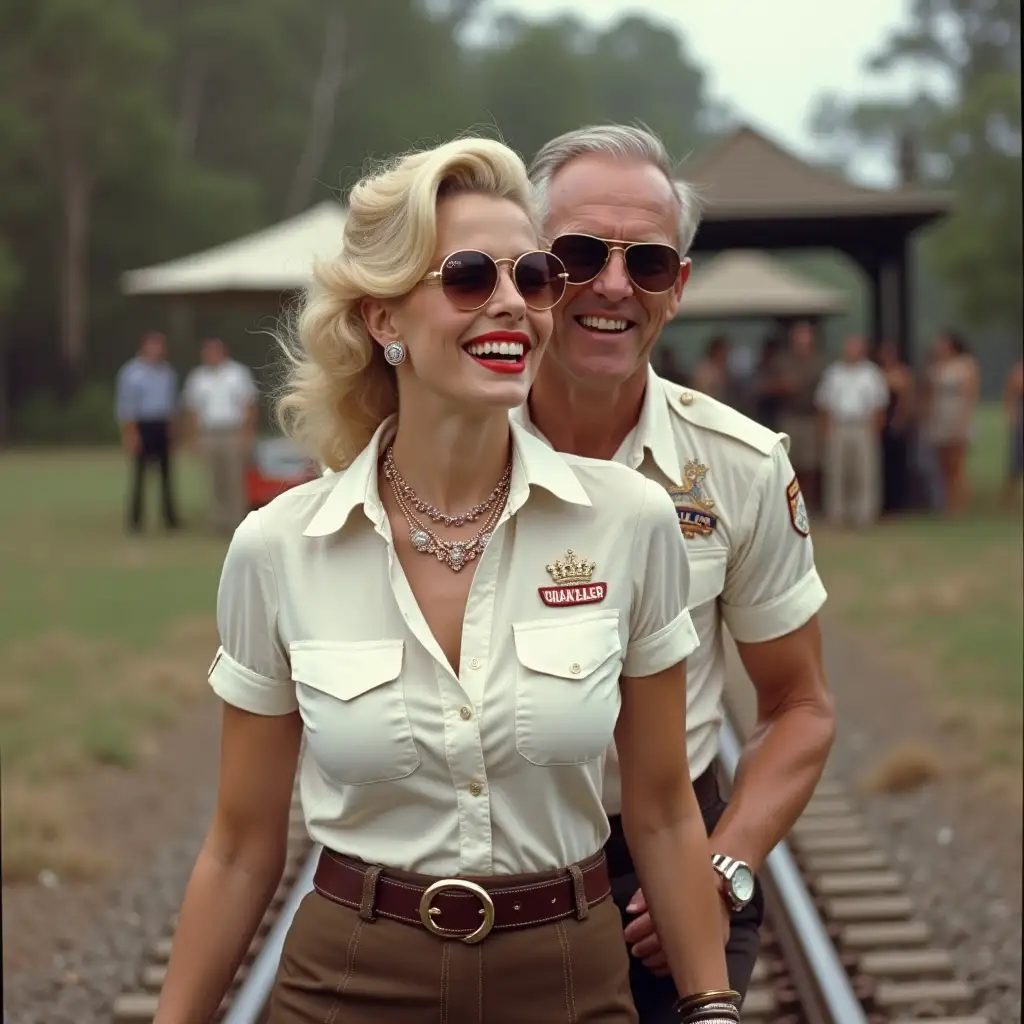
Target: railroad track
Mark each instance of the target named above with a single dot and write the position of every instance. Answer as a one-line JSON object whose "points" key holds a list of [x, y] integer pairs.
{"points": [[841, 944]]}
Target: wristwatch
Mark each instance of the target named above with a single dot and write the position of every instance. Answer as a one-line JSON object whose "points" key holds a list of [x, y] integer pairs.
{"points": [[739, 880]]}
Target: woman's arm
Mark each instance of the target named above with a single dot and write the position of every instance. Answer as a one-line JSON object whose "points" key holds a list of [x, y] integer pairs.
{"points": [[665, 830], [239, 866]]}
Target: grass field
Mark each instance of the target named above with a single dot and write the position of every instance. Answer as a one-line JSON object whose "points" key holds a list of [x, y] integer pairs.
{"points": [[103, 637], [943, 598]]}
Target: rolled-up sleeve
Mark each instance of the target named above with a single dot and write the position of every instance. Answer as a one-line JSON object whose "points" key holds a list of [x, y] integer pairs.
{"points": [[251, 669], [773, 588], [661, 632]]}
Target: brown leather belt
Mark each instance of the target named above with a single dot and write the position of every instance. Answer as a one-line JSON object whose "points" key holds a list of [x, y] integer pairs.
{"points": [[457, 908]]}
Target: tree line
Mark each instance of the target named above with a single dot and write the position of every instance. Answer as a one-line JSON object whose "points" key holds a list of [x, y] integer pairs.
{"points": [[133, 131], [966, 123]]}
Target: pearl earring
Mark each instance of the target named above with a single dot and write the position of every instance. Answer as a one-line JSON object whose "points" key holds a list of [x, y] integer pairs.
{"points": [[394, 352]]}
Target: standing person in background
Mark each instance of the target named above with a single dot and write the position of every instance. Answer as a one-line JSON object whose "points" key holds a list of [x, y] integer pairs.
{"points": [[711, 374], [147, 389], [1013, 404], [769, 387], [743, 378], [897, 431], [924, 451], [952, 393], [852, 397], [801, 366], [222, 405]]}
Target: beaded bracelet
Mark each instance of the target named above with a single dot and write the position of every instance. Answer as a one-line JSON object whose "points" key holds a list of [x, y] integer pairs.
{"points": [[714, 1013]]}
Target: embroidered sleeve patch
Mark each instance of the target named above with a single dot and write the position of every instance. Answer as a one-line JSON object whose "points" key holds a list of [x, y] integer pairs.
{"points": [[797, 508]]}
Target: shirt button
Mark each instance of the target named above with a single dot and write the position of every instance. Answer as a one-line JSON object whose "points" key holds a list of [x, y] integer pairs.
{"points": [[474, 663], [575, 669], [465, 714], [686, 398], [475, 788]]}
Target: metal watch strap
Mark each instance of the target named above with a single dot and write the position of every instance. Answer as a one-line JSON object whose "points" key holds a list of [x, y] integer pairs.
{"points": [[726, 867]]}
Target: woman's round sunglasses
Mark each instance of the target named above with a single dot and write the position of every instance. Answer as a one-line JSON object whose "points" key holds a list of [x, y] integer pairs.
{"points": [[652, 266], [469, 278]]}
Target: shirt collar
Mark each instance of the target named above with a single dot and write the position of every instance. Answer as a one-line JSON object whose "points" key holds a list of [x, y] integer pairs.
{"points": [[653, 431], [534, 464]]}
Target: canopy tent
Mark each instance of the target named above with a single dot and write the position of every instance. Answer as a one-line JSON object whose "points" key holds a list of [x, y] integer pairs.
{"points": [[277, 259], [756, 195], [744, 284]]}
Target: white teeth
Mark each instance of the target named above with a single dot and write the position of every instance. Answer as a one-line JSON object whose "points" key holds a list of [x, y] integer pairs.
{"points": [[600, 323], [496, 348]]}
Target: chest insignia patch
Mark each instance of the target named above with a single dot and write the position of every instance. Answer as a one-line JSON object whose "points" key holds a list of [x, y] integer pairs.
{"points": [[797, 508], [695, 509], [573, 582]]}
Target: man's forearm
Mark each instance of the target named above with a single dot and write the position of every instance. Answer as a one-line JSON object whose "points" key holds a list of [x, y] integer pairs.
{"points": [[778, 770]]}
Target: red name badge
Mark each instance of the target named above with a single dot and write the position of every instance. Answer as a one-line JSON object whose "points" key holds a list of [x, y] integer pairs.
{"points": [[591, 593]]}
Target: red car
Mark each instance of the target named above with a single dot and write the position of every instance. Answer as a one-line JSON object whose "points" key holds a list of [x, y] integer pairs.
{"points": [[274, 467]]}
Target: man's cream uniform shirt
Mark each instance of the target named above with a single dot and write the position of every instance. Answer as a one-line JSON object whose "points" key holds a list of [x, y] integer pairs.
{"points": [[220, 396], [497, 768], [744, 525]]}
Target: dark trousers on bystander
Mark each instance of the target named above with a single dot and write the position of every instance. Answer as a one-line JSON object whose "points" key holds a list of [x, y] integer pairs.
{"points": [[154, 449]]}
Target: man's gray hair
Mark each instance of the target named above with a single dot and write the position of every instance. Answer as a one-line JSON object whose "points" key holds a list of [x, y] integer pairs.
{"points": [[618, 140]]}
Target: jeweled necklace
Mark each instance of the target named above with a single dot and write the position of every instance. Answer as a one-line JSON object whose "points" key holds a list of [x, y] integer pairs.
{"points": [[435, 514], [456, 554]]}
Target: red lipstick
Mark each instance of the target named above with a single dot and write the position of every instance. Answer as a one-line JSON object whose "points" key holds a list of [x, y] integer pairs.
{"points": [[500, 351]]}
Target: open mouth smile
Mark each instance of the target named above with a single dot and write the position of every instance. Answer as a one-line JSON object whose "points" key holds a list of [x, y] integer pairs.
{"points": [[500, 351], [605, 325]]}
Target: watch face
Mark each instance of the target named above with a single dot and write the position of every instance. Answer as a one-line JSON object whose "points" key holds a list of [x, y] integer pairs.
{"points": [[743, 884]]}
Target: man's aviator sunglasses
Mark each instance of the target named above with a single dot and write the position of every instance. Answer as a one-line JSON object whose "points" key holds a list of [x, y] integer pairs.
{"points": [[469, 278], [653, 267]]}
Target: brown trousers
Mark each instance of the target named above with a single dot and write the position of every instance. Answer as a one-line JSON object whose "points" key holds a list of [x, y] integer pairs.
{"points": [[339, 968]]}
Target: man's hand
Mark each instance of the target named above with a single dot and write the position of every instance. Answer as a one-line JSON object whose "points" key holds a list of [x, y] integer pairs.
{"points": [[643, 940]]}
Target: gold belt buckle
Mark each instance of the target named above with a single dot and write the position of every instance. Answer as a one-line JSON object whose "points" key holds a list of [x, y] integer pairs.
{"points": [[428, 913]]}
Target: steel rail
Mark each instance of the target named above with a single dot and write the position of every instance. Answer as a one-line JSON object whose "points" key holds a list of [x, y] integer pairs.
{"points": [[811, 956], [814, 962]]}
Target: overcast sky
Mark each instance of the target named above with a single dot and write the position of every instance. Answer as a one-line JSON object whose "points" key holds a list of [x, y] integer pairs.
{"points": [[769, 59]]}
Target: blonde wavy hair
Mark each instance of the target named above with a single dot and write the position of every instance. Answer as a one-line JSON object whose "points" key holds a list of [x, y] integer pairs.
{"points": [[339, 388]]}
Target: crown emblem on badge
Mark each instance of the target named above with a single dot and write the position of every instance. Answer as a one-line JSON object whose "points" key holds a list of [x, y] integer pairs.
{"points": [[570, 570]]}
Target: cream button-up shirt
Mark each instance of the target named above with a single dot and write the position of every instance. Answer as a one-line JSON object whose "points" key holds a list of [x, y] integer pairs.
{"points": [[495, 769], [743, 522], [220, 396]]}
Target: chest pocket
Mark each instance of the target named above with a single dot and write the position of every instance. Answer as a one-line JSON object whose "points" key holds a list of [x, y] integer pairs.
{"points": [[707, 575], [567, 687], [353, 705]]}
